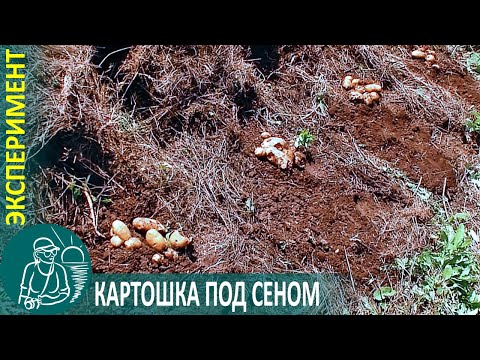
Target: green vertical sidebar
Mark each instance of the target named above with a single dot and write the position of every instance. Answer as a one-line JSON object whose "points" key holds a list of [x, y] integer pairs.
{"points": [[32, 62]]}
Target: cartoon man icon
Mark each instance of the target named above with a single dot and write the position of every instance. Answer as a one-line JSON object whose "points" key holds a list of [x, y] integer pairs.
{"points": [[44, 281]]}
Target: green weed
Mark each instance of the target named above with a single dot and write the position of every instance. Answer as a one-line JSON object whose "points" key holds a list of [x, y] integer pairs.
{"points": [[474, 125], [473, 62], [75, 189], [448, 275], [304, 139]]}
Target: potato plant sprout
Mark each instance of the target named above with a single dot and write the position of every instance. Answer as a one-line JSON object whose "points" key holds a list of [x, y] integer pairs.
{"points": [[304, 139]]}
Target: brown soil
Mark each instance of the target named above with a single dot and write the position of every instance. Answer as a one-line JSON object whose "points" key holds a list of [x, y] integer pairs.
{"points": [[392, 135], [452, 77], [338, 213]]}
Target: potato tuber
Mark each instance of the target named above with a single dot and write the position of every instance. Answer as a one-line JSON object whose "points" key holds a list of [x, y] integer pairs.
{"points": [[273, 141], [265, 135], [430, 58], [356, 82], [347, 82], [121, 230], [355, 95], [157, 258], [373, 87], [424, 52], [133, 243], [418, 54], [116, 241], [367, 98], [360, 89], [278, 157], [175, 240], [145, 224], [371, 97], [278, 152], [260, 152], [155, 240], [374, 96], [171, 254]]}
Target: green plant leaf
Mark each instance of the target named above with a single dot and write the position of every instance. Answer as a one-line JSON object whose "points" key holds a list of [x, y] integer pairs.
{"points": [[454, 238], [448, 272], [383, 293], [460, 216], [473, 62], [304, 139]]}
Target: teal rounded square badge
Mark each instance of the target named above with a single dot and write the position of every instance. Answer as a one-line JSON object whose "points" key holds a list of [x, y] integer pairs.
{"points": [[46, 269]]}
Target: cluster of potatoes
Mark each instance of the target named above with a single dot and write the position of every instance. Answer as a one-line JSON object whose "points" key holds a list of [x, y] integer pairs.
{"points": [[362, 90], [156, 237], [423, 52], [280, 152]]}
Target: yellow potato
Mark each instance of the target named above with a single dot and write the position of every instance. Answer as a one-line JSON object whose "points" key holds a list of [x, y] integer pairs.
{"points": [[145, 224], [277, 157], [373, 87], [430, 52], [355, 95], [116, 241], [175, 240], [374, 96], [121, 230], [360, 89], [347, 82], [289, 158], [367, 98], [276, 142], [157, 258], [418, 54], [171, 254], [430, 58], [265, 135], [133, 243], [356, 82], [260, 152], [155, 240]]}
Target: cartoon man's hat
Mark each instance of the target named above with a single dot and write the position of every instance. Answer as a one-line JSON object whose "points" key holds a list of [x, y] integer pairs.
{"points": [[44, 244]]}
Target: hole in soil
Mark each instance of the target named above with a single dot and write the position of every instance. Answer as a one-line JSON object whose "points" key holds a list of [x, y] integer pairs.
{"points": [[189, 252], [266, 57], [75, 153], [356, 198], [244, 99], [110, 58], [198, 123], [136, 95], [446, 125], [386, 84]]}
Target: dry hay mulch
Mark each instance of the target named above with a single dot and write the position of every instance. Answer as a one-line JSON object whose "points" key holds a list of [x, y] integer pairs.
{"points": [[169, 132]]}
